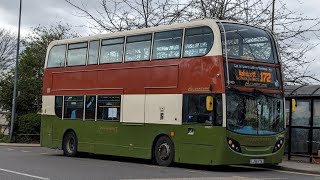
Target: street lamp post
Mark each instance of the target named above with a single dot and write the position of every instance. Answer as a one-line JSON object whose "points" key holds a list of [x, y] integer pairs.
{"points": [[272, 20], [14, 99]]}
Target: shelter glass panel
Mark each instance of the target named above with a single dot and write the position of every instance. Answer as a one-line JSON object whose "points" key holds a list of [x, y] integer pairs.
{"points": [[299, 141], [287, 111], [316, 138], [316, 113], [302, 115]]}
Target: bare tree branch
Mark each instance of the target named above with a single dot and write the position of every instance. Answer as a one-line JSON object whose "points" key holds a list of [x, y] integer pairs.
{"points": [[7, 50], [295, 32]]}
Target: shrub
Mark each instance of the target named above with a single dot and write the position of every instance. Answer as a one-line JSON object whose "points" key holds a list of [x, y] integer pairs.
{"points": [[27, 128], [3, 138]]}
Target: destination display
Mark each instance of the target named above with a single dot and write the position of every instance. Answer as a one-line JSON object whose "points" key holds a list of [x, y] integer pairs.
{"points": [[253, 76]]}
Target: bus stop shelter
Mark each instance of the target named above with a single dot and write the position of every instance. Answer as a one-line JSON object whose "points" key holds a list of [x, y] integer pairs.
{"points": [[303, 121]]}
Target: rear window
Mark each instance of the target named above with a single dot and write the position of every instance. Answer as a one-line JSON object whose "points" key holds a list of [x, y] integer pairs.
{"points": [[57, 56]]}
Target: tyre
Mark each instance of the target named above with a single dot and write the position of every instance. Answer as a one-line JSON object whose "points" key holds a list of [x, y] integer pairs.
{"points": [[70, 144], [163, 151]]}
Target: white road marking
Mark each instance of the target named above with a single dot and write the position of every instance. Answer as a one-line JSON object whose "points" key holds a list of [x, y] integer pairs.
{"points": [[24, 174], [44, 153], [282, 171], [9, 149], [195, 178], [195, 171], [153, 166], [25, 151], [213, 178]]}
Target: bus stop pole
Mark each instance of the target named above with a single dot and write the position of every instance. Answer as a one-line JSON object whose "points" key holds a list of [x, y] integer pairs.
{"points": [[14, 99]]}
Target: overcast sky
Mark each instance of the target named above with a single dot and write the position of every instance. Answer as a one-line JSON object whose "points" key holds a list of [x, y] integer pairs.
{"points": [[46, 12]]}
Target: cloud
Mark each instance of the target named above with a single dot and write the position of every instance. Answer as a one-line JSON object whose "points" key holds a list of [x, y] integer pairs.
{"points": [[38, 12]]}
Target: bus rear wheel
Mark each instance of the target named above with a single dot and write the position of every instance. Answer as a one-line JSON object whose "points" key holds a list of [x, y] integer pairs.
{"points": [[70, 144], [163, 151]]}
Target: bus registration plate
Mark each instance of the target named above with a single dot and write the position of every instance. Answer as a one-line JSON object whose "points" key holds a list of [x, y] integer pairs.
{"points": [[256, 161]]}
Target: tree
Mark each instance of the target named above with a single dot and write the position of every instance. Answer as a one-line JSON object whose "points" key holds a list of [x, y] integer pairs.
{"points": [[31, 65], [293, 30], [123, 15], [7, 50]]}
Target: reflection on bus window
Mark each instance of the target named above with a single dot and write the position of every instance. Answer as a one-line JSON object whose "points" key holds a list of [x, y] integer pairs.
{"points": [[198, 41], [111, 50], [73, 107], [90, 107], [167, 44], [109, 108], [58, 106], [247, 43], [57, 56], [138, 48], [93, 52], [77, 54], [252, 113]]}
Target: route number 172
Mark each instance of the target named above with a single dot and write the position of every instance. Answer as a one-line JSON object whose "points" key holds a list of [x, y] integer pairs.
{"points": [[265, 77]]}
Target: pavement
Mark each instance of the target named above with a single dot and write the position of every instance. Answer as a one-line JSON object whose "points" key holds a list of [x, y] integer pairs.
{"points": [[297, 166], [19, 145], [288, 166]]}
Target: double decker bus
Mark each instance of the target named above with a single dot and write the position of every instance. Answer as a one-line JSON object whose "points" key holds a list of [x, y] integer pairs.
{"points": [[203, 92]]}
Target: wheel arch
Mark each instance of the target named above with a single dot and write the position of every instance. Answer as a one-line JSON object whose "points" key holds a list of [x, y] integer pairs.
{"points": [[156, 139], [66, 132]]}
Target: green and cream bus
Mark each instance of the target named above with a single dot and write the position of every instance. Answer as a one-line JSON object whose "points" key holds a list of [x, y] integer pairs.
{"points": [[203, 92]]}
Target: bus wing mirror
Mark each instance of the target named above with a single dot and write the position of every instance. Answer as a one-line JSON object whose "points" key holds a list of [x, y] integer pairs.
{"points": [[209, 103], [293, 105]]}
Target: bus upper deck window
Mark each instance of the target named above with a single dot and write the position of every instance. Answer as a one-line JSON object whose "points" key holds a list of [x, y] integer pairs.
{"points": [[198, 41], [93, 52], [138, 47], [57, 56], [248, 43], [77, 54], [111, 50], [167, 44]]}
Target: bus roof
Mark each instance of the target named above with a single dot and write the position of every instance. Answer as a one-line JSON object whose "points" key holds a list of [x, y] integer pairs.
{"points": [[195, 23]]}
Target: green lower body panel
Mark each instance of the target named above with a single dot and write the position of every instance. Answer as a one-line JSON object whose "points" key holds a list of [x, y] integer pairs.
{"points": [[202, 145]]}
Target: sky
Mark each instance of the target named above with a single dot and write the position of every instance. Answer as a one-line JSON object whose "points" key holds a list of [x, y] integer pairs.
{"points": [[46, 12]]}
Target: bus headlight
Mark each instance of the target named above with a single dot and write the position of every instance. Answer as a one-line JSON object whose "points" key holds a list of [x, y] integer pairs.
{"points": [[278, 145], [234, 145]]}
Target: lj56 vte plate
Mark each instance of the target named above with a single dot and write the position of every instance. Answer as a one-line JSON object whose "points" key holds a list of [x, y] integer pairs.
{"points": [[256, 161]]}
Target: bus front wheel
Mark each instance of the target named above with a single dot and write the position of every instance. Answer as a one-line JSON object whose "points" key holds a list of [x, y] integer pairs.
{"points": [[70, 144], [164, 151]]}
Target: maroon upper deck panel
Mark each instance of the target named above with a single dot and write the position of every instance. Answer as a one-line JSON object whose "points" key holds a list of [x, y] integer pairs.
{"points": [[174, 76]]}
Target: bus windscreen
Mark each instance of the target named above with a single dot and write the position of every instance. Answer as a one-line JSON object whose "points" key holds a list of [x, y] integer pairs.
{"points": [[254, 113], [248, 43]]}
